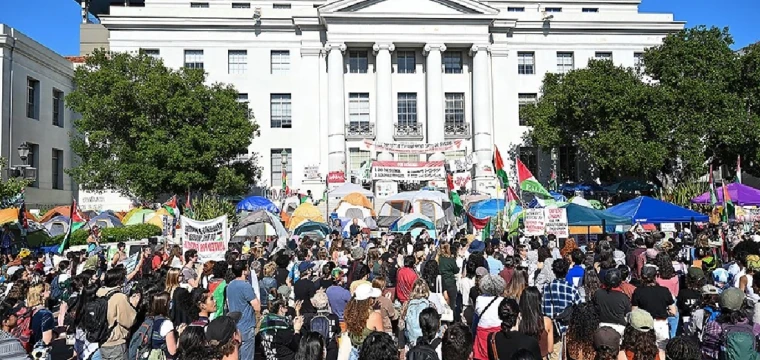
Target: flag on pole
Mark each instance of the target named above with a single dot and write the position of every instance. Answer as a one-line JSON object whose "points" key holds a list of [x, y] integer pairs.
{"points": [[553, 181], [285, 189], [738, 178], [498, 164], [189, 207], [453, 195], [171, 206], [528, 182], [76, 221], [728, 205], [486, 230], [23, 223], [713, 194]]}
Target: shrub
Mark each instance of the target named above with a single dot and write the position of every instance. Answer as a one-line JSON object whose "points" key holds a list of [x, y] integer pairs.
{"points": [[111, 235]]}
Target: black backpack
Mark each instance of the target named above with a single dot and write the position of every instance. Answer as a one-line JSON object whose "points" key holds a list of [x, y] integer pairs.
{"points": [[424, 351], [321, 323], [96, 326]]}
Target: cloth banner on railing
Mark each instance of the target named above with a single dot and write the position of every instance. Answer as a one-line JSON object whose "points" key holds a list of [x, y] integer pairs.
{"points": [[408, 170], [464, 164], [210, 238], [414, 148]]}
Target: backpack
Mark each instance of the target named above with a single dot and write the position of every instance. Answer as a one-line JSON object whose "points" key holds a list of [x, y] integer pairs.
{"points": [[141, 343], [97, 329], [412, 319], [55, 288], [738, 343], [424, 351], [321, 324], [23, 329]]}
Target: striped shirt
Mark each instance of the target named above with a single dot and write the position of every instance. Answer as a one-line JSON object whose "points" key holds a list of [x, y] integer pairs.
{"points": [[11, 348]]}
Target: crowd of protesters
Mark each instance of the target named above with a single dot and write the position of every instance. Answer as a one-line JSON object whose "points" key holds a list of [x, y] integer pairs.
{"points": [[643, 297]]}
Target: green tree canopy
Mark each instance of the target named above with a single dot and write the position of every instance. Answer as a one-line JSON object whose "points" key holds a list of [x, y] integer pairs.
{"points": [[147, 130]]}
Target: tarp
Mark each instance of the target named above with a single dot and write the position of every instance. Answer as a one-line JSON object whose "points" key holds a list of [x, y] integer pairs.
{"points": [[644, 209], [740, 195], [253, 203], [349, 188], [263, 216], [578, 215], [468, 200], [105, 220], [304, 212], [489, 207], [412, 221]]}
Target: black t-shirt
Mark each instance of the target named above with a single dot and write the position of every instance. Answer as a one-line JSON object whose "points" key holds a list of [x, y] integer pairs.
{"points": [[325, 283], [281, 275], [654, 299], [304, 289], [687, 302], [507, 344], [331, 345], [612, 306]]}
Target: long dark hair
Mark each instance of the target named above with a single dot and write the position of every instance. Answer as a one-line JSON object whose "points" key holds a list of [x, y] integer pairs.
{"points": [[430, 322], [580, 333], [591, 283], [531, 321], [643, 345], [509, 311], [312, 347], [664, 266], [430, 274], [88, 294]]}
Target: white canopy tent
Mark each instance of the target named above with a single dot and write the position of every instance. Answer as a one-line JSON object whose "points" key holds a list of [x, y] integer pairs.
{"points": [[349, 188]]}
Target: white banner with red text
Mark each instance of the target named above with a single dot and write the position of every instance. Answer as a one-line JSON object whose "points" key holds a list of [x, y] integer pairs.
{"points": [[408, 170], [210, 238], [415, 148]]}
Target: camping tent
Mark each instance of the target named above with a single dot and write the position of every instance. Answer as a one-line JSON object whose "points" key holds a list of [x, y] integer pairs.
{"points": [[740, 195], [349, 188], [105, 220], [578, 215], [255, 223], [644, 209], [355, 206], [57, 225], [58, 210], [312, 227], [137, 216], [426, 202], [410, 221], [305, 212], [253, 203]]}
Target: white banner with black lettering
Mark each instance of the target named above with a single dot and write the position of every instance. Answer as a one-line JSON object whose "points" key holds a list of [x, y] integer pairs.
{"points": [[210, 238], [414, 148], [408, 170], [464, 164], [556, 222]]}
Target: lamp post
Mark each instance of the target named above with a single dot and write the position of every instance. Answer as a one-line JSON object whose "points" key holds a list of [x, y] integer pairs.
{"points": [[23, 171], [554, 166], [284, 166]]}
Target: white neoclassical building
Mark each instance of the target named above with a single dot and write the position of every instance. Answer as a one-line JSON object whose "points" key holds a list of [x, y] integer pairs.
{"points": [[322, 77]]}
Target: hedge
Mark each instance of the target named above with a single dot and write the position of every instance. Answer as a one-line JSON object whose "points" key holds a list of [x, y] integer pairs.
{"points": [[111, 235]]}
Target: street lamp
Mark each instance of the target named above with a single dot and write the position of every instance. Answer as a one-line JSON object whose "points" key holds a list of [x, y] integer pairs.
{"points": [[23, 152], [23, 171], [554, 165], [284, 165]]}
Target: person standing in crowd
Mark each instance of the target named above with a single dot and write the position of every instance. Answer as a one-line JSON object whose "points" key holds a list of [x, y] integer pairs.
{"points": [[428, 345], [487, 318], [579, 340], [304, 289], [279, 335], [457, 343], [242, 299], [533, 323], [639, 339], [625, 285], [448, 269], [204, 306], [507, 341], [385, 305], [222, 337], [682, 348], [378, 346], [575, 274], [10, 346], [338, 296], [311, 347], [42, 322], [611, 303], [558, 295], [494, 266], [657, 301], [361, 318], [667, 277], [189, 275], [324, 323], [607, 344], [689, 299], [120, 254], [405, 279], [121, 313]]}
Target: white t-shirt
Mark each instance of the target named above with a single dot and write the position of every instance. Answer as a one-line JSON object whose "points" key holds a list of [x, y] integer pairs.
{"points": [[491, 316], [465, 284], [166, 327]]}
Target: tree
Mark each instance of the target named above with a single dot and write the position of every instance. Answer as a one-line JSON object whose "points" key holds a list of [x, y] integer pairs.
{"points": [[146, 130], [603, 111], [11, 188]]}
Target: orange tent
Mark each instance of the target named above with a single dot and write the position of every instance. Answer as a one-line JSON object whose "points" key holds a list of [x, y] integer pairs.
{"points": [[357, 199], [58, 210], [11, 215]]}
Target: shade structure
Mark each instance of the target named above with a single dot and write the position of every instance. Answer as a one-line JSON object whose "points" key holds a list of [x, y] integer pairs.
{"points": [[429, 203], [349, 188], [578, 215], [312, 227], [740, 195], [489, 208], [105, 220], [645, 209], [410, 221], [254, 203], [305, 212]]}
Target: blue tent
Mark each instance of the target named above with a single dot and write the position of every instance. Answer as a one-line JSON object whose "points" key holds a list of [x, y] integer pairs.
{"points": [[647, 210], [105, 220], [490, 207], [253, 203], [578, 215], [584, 186]]}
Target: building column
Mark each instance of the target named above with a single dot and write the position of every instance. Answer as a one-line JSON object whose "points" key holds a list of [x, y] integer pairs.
{"points": [[383, 96], [481, 118], [434, 82], [336, 123]]}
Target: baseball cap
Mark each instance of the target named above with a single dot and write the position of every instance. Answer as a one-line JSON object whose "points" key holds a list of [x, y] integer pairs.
{"points": [[640, 320], [710, 290], [319, 300], [477, 246], [607, 337], [366, 291], [696, 273], [221, 330], [732, 299], [283, 290], [305, 266], [481, 271], [720, 275]]}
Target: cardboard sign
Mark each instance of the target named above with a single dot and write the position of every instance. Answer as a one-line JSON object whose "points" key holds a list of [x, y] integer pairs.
{"points": [[556, 222], [534, 221], [210, 238]]}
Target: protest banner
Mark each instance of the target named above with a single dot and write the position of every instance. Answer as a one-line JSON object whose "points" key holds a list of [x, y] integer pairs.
{"points": [[556, 222], [751, 215], [408, 170], [209, 238], [464, 164], [534, 221], [414, 148], [131, 262]]}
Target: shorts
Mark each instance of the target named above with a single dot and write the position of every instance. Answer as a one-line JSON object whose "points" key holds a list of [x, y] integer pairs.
{"points": [[662, 333]]}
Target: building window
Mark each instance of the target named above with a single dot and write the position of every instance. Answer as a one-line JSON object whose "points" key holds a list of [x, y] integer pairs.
{"points": [[356, 158], [638, 62], [603, 55], [357, 62], [454, 113], [515, 9], [408, 157], [529, 157], [280, 111], [281, 6], [452, 62], [199, 5], [565, 62], [237, 61], [358, 109], [280, 60], [590, 10], [57, 169], [522, 101], [241, 5], [33, 161], [553, 9], [154, 53], [32, 98], [57, 108], [194, 59], [567, 164], [276, 164], [242, 97], [406, 62], [526, 63], [407, 109]]}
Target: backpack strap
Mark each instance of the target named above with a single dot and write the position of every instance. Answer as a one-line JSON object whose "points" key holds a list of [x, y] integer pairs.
{"points": [[492, 344]]}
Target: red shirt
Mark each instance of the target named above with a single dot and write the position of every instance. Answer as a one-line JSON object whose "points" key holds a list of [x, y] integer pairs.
{"points": [[405, 279], [156, 262]]}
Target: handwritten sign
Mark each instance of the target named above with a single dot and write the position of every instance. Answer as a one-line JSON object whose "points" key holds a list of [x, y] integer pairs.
{"points": [[131, 262], [464, 164], [311, 172], [210, 238], [556, 222], [534, 221]]}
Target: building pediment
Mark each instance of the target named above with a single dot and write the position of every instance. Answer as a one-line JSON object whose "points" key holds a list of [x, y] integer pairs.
{"points": [[405, 8]]}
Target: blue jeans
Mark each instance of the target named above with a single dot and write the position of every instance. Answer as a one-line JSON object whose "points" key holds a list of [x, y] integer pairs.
{"points": [[249, 343], [673, 324]]}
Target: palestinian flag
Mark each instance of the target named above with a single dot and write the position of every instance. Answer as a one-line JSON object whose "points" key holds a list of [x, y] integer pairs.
{"points": [[76, 221], [553, 181], [728, 205], [189, 207], [453, 195], [171, 206], [501, 172], [528, 182], [285, 189], [738, 178], [486, 230], [512, 201], [713, 195]]}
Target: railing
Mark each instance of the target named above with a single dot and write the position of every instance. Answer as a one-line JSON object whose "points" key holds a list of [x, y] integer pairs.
{"points": [[409, 131], [457, 131], [359, 131]]}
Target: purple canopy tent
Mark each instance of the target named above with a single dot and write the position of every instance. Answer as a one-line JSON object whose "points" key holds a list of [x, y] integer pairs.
{"points": [[740, 195]]}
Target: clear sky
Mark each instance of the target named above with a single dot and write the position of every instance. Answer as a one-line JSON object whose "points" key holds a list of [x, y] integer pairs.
{"points": [[55, 23]]}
